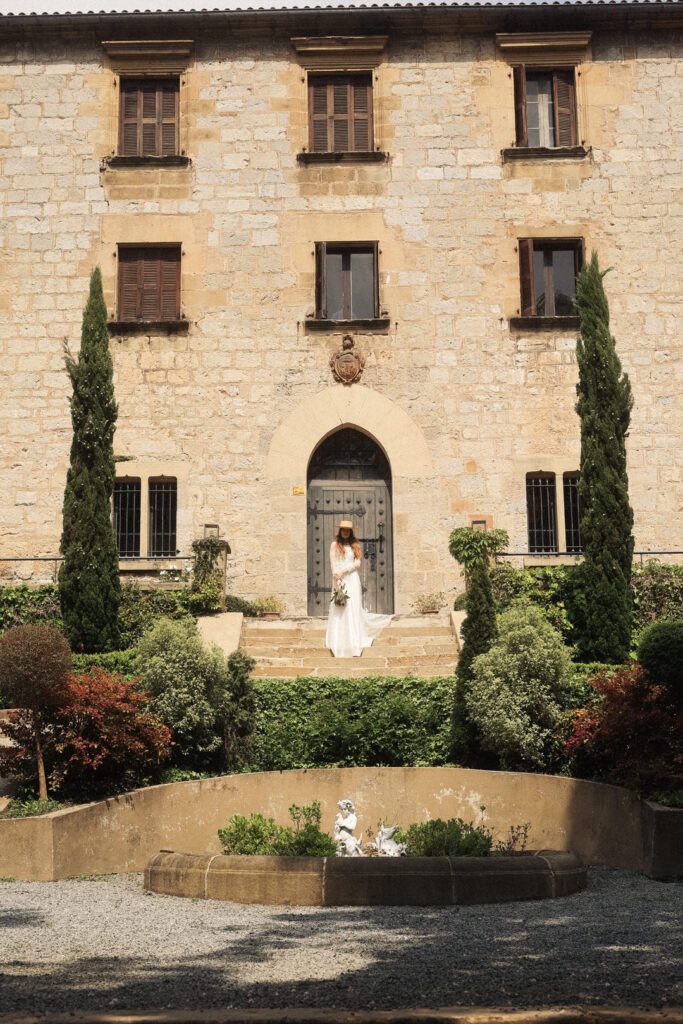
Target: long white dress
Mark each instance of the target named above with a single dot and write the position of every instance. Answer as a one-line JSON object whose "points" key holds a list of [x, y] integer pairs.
{"points": [[350, 628]]}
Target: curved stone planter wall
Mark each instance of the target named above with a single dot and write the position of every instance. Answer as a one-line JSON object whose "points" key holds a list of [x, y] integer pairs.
{"points": [[601, 824], [366, 881]]}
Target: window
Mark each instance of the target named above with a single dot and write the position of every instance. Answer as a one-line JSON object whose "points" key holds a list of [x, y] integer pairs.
{"points": [[340, 113], [149, 283], [572, 511], [548, 270], [541, 513], [127, 517], [148, 118], [163, 506], [545, 107], [347, 281]]}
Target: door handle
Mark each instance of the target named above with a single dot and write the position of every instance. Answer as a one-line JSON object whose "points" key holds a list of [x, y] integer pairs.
{"points": [[380, 531]]}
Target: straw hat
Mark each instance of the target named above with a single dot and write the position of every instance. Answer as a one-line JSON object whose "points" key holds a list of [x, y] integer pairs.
{"points": [[346, 524]]}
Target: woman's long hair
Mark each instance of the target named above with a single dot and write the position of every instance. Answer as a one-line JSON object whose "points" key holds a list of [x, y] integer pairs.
{"points": [[351, 539]]}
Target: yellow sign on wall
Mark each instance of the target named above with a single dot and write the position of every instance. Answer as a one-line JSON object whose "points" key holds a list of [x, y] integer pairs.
{"points": [[298, 490]]}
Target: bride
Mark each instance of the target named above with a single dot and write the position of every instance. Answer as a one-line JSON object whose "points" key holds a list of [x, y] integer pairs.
{"points": [[350, 628]]}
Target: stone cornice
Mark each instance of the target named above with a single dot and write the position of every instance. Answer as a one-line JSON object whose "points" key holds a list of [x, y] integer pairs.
{"points": [[337, 53], [149, 56]]}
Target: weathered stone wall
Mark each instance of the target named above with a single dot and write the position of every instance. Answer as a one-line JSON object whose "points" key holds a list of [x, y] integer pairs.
{"points": [[488, 402]]}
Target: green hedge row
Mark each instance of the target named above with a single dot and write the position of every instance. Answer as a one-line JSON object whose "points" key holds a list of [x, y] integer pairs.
{"points": [[313, 722]]}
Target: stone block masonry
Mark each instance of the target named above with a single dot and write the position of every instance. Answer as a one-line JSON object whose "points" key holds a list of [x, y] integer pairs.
{"points": [[489, 403]]}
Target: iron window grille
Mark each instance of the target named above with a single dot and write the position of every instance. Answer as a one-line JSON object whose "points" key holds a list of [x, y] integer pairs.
{"points": [[126, 517], [572, 513], [163, 509], [541, 513]]}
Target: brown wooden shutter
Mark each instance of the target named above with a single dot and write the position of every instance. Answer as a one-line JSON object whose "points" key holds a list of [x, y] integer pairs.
{"points": [[169, 279], [320, 281], [375, 270], [317, 115], [519, 77], [341, 115], [564, 96], [128, 286], [526, 276], [128, 118], [148, 119], [168, 116], [361, 90]]}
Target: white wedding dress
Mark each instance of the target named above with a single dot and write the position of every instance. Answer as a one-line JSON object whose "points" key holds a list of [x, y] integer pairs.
{"points": [[350, 628]]}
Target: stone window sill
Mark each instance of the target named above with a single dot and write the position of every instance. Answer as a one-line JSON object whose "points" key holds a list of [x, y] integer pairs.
{"points": [[376, 324], [544, 323], [369, 157], [146, 161], [545, 153], [148, 326]]}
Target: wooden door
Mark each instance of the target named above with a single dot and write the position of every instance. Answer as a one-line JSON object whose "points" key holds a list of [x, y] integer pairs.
{"points": [[367, 504]]}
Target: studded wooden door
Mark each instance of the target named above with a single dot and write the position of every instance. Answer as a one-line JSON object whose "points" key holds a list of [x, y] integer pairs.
{"points": [[368, 505]]}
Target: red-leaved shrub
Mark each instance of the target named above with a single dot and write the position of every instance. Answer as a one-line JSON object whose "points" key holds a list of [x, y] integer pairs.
{"points": [[630, 736], [101, 740]]}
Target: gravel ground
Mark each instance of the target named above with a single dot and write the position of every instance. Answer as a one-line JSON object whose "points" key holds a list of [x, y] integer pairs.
{"points": [[105, 944]]}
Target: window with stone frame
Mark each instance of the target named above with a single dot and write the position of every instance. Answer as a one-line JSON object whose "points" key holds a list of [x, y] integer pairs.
{"points": [[126, 516], [347, 281], [541, 511], [149, 283], [163, 511], [545, 107], [149, 117], [340, 113], [572, 513], [548, 268]]}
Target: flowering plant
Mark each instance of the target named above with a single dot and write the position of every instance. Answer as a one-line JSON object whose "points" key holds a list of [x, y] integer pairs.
{"points": [[340, 595]]}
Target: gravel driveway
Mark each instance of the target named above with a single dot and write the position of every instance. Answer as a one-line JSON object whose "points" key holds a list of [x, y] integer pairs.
{"points": [[105, 944]]}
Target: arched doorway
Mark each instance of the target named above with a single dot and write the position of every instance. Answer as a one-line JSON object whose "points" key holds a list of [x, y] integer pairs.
{"points": [[349, 478]]}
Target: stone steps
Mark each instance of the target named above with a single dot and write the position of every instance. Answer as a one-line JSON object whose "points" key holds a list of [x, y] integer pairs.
{"points": [[423, 646]]}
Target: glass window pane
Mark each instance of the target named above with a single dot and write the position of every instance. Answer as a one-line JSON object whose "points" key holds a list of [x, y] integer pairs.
{"points": [[539, 110], [362, 286], [564, 281], [335, 291], [539, 282]]}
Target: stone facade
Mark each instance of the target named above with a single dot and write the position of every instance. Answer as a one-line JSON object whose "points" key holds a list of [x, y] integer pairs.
{"points": [[463, 404]]}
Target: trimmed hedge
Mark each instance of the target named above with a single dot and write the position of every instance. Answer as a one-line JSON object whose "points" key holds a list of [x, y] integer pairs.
{"points": [[313, 722], [122, 662]]}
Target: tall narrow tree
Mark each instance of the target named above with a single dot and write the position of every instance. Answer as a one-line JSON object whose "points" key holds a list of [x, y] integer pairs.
{"points": [[606, 518], [89, 587]]}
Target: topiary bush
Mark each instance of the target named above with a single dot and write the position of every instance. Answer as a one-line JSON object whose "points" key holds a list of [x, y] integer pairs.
{"points": [[660, 652], [259, 836], [452, 838], [518, 692], [205, 699], [631, 734], [318, 722]]}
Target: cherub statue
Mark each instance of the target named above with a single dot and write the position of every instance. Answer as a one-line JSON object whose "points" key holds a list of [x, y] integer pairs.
{"points": [[385, 844], [344, 823]]}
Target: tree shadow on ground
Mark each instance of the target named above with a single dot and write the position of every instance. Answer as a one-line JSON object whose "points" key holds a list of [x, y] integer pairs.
{"points": [[581, 949]]}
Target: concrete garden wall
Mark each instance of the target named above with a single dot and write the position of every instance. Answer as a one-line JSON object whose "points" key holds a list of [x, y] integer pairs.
{"points": [[601, 824]]}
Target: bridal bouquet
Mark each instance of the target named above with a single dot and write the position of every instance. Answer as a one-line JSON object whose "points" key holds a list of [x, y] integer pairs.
{"points": [[340, 595]]}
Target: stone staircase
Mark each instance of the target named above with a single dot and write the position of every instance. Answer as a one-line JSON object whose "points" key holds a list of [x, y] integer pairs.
{"points": [[422, 645]]}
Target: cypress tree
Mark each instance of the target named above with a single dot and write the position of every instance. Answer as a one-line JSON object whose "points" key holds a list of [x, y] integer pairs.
{"points": [[89, 588], [606, 518], [479, 630]]}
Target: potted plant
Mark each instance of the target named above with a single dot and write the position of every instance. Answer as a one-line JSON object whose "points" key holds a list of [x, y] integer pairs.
{"points": [[270, 607], [429, 604]]}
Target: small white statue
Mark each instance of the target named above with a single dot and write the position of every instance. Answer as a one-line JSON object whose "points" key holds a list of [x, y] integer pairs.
{"points": [[385, 844], [344, 824]]}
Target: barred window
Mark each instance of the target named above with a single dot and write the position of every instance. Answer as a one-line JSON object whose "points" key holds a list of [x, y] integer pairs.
{"points": [[541, 513], [163, 507], [572, 512], [126, 517]]}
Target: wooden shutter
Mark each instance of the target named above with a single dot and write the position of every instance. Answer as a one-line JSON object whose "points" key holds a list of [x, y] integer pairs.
{"points": [[564, 97], [521, 131], [526, 276], [149, 117], [340, 113], [149, 284], [375, 270], [320, 281]]}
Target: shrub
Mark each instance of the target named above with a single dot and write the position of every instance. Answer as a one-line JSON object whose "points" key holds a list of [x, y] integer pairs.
{"points": [[139, 610], [556, 590], [23, 606], [452, 838], [204, 699], [31, 808], [100, 740], [660, 652], [313, 722], [34, 664], [121, 662], [471, 547], [657, 593], [518, 691], [257, 835], [631, 735]]}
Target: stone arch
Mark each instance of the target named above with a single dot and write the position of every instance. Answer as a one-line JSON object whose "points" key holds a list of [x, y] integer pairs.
{"points": [[385, 421]]}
